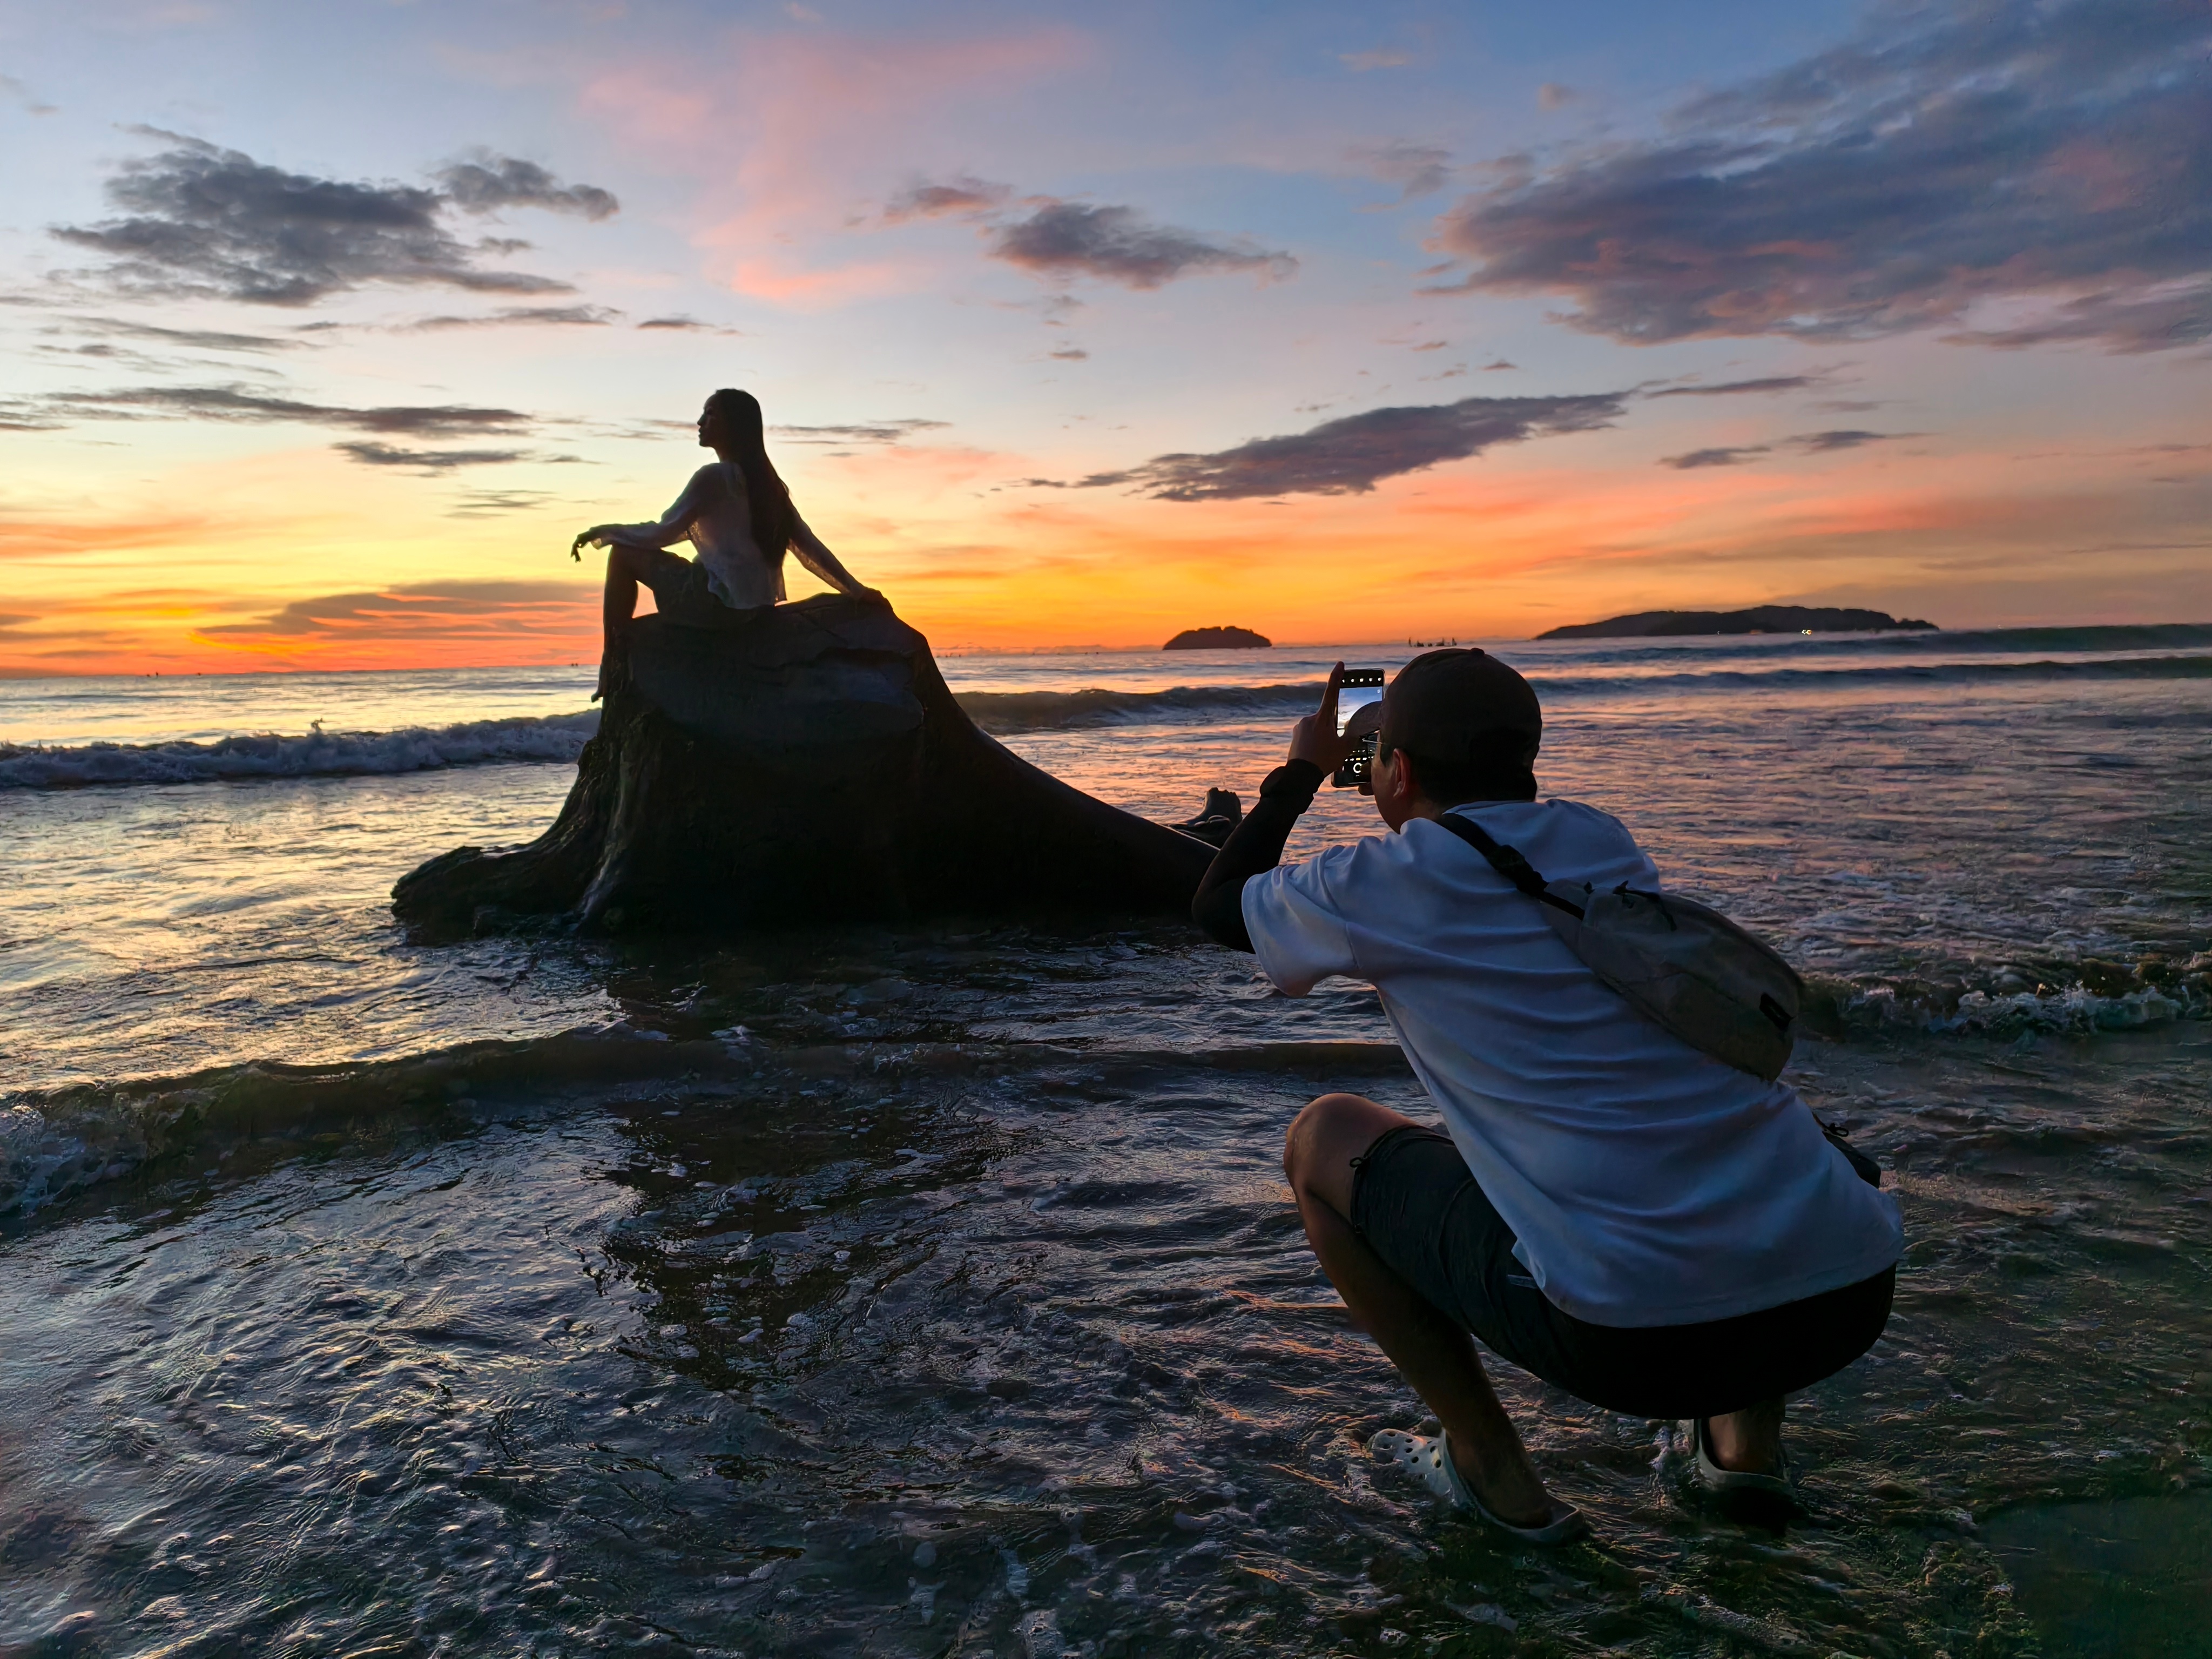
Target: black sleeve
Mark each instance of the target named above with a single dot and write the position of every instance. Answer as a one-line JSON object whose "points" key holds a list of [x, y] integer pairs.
{"points": [[1255, 846]]}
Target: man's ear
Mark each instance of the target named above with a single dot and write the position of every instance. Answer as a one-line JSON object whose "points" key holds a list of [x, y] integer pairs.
{"points": [[1409, 775]]}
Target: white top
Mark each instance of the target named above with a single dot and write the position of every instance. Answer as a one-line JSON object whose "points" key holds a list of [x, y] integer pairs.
{"points": [[715, 514], [1647, 1183]]}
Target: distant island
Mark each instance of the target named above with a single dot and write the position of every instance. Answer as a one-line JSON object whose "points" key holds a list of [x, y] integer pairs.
{"points": [[1759, 619], [1217, 639]]}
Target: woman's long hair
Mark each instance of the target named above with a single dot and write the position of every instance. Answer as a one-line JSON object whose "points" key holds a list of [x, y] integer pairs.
{"points": [[766, 494]]}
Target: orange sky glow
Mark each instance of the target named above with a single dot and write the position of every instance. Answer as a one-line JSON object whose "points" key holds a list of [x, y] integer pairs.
{"points": [[1072, 334]]}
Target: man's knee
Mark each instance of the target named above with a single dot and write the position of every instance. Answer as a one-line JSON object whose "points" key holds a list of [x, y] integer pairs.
{"points": [[1328, 1134], [1308, 1129]]}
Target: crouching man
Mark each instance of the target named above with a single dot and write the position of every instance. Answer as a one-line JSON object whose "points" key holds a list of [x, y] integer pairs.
{"points": [[1632, 1220]]}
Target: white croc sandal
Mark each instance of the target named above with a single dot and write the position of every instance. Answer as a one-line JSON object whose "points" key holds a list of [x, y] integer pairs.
{"points": [[1429, 1460], [1737, 1483]]}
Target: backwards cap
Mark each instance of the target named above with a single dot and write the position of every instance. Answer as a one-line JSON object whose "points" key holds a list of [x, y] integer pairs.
{"points": [[1465, 711]]}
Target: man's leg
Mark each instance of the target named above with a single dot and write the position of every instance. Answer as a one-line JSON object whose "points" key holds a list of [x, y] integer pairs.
{"points": [[1431, 1352], [1748, 1441]]}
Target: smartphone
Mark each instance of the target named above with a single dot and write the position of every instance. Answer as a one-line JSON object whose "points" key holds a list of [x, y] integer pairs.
{"points": [[1359, 688]]}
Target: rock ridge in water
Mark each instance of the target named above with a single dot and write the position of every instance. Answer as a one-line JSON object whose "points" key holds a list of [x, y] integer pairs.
{"points": [[1759, 619], [802, 764], [1218, 639]]}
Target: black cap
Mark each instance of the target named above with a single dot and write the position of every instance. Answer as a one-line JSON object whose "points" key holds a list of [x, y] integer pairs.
{"points": [[1468, 713]]}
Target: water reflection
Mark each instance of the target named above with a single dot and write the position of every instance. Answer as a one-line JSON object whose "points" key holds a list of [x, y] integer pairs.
{"points": [[913, 1347]]}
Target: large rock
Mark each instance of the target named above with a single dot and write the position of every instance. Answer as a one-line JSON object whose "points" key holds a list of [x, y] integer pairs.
{"points": [[803, 762]]}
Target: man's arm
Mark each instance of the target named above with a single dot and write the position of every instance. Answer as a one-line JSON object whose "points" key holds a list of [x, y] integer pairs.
{"points": [[1254, 847]]}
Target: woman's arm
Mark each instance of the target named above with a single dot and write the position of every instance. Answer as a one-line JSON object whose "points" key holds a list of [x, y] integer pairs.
{"points": [[821, 561], [673, 526]]}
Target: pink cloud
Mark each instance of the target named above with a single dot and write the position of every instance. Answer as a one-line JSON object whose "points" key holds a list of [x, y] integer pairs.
{"points": [[788, 133]]}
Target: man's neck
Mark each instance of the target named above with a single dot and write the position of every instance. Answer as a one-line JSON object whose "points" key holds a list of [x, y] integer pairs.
{"points": [[1423, 807]]}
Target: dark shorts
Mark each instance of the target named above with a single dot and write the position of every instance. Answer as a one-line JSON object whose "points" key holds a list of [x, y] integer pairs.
{"points": [[680, 591], [1419, 1210]]}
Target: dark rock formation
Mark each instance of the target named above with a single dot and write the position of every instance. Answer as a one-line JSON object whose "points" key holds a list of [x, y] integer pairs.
{"points": [[1218, 639], [805, 762], [1759, 619]]}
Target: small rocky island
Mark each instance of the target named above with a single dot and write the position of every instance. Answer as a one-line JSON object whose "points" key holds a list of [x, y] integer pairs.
{"points": [[1218, 639], [1759, 619]]}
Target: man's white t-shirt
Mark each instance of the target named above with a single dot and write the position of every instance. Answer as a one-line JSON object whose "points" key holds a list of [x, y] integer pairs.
{"points": [[1647, 1183]]}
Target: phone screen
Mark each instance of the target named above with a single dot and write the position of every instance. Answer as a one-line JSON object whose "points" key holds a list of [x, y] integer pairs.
{"points": [[1359, 687]]}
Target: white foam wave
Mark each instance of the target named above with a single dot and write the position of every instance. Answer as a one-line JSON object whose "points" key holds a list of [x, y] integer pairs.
{"points": [[555, 737], [2075, 1009]]}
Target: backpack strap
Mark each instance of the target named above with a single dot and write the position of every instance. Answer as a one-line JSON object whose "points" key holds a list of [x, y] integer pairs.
{"points": [[1508, 862]]}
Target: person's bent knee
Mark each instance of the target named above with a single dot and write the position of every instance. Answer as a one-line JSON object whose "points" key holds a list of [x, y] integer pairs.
{"points": [[1326, 1141], [1310, 1129]]}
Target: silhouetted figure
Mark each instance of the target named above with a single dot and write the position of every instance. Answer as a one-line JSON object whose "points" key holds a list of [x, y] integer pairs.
{"points": [[737, 513]]}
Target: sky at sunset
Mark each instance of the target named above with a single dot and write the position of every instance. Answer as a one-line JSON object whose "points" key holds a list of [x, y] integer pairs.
{"points": [[326, 327]]}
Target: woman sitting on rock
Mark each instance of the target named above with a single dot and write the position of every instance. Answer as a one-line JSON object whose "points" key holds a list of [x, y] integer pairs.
{"points": [[738, 513]]}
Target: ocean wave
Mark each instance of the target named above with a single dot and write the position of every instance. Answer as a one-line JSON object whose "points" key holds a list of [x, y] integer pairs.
{"points": [[1843, 679], [1040, 711], [2084, 999], [57, 1143], [54, 1143], [314, 754], [559, 738], [1052, 711], [2141, 636]]}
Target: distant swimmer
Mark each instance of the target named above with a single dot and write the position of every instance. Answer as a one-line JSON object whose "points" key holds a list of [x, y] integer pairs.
{"points": [[737, 511], [1607, 1205]]}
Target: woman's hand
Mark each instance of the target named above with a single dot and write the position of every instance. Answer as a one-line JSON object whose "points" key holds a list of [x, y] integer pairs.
{"points": [[576, 547], [1315, 738]]}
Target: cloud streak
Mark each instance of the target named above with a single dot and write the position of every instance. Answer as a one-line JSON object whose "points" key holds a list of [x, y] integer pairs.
{"points": [[1804, 443], [31, 102], [868, 432], [525, 317], [1058, 239], [199, 339], [197, 221], [1964, 155], [219, 403], [369, 453], [488, 184], [1350, 455], [1416, 169], [419, 610], [1739, 388], [1119, 245], [231, 404], [965, 195]]}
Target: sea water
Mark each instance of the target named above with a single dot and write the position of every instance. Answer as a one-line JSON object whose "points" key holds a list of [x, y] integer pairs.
{"points": [[934, 1290]]}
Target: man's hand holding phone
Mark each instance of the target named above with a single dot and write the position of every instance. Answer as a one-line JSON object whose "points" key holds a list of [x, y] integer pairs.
{"points": [[1341, 741], [1315, 738]]}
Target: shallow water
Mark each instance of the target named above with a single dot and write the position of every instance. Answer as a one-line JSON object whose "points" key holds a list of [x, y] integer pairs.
{"points": [[935, 1291]]}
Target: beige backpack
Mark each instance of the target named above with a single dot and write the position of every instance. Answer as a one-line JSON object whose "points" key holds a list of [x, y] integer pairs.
{"points": [[1681, 964]]}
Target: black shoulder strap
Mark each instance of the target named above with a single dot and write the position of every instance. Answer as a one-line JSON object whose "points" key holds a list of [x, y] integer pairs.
{"points": [[1507, 861]]}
